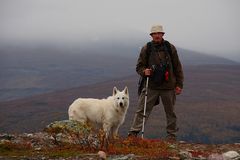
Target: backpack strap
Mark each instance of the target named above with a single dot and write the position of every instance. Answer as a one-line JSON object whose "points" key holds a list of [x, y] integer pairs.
{"points": [[148, 52], [142, 79], [168, 49]]}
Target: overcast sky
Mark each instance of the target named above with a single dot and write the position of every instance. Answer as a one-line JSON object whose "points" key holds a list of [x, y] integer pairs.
{"points": [[210, 26]]}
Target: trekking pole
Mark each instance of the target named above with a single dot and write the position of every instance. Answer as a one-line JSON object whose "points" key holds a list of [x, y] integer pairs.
{"points": [[145, 106]]}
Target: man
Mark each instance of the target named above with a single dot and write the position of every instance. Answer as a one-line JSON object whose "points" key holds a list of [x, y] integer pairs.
{"points": [[159, 61]]}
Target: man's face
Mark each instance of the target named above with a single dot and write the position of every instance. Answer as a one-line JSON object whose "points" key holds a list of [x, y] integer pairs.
{"points": [[157, 37]]}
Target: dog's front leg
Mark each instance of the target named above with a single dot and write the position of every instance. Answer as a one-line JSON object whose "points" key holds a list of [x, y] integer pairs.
{"points": [[107, 130], [115, 132]]}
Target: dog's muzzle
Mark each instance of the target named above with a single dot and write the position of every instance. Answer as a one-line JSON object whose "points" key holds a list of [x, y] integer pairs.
{"points": [[121, 104]]}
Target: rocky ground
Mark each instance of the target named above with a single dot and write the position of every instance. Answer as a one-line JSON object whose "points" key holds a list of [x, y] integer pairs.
{"points": [[73, 140]]}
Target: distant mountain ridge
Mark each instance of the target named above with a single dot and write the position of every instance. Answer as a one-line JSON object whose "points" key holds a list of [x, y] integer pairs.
{"points": [[196, 58], [30, 70]]}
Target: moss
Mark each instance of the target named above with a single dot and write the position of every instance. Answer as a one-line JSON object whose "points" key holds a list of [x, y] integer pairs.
{"points": [[4, 148], [64, 153], [12, 149]]}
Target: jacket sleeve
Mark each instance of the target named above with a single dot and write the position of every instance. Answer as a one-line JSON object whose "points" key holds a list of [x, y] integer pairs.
{"points": [[177, 67], [141, 62]]}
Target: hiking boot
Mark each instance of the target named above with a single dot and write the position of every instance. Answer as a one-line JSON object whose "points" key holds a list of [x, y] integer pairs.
{"points": [[132, 134]]}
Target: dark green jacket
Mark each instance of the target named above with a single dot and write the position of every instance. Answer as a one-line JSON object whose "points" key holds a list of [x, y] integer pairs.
{"points": [[159, 53]]}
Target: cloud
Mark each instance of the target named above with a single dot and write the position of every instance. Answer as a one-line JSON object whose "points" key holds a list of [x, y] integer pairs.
{"points": [[208, 26]]}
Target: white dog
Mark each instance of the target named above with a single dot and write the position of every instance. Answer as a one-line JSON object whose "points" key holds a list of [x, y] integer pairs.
{"points": [[110, 112]]}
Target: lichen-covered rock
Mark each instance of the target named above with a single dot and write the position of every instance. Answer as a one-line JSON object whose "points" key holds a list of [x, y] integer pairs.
{"points": [[73, 132], [69, 126]]}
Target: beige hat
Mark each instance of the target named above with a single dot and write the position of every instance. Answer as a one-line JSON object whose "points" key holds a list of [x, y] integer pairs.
{"points": [[156, 29]]}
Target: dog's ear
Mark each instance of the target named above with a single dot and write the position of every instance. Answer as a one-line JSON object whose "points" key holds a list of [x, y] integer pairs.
{"points": [[126, 90], [115, 90]]}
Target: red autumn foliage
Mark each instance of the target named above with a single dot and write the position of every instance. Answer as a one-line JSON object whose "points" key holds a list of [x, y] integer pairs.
{"points": [[142, 147]]}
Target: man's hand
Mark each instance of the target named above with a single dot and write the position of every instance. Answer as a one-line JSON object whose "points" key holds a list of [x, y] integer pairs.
{"points": [[147, 72], [178, 90]]}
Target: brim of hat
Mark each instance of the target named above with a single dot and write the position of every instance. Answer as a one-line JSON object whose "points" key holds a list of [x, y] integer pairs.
{"points": [[157, 32]]}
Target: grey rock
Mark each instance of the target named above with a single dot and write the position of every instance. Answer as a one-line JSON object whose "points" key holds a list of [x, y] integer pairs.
{"points": [[185, 155], [231, 155], [7, 136], [215, 157], [4, 141], [124, 157]]}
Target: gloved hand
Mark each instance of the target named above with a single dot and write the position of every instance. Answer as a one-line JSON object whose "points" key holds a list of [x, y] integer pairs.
{"points": [[148, 72], [178, 90]]}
